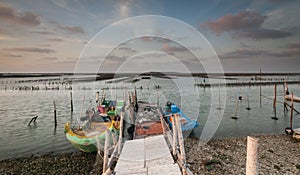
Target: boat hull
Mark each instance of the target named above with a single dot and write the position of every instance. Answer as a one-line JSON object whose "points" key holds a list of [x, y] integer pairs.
{"points": [[89, 142]]}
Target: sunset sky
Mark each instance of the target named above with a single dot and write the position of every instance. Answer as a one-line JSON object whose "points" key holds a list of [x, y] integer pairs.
{"points": [[53, 35]]}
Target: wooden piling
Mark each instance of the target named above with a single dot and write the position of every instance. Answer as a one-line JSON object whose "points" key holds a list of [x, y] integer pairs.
{"points": [[260, 86], [71, 101], [248, 101], [292, 109], [275, 94], [174, 145], [54, 110], [106, 146], [121, 133], [219, 107]]}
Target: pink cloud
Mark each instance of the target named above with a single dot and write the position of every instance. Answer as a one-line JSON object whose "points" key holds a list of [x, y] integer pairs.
{"points": [[245, 24], [242, 20]]}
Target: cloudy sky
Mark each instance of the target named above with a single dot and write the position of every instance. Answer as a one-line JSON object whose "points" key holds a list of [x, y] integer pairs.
{"points": [[105, 35]]}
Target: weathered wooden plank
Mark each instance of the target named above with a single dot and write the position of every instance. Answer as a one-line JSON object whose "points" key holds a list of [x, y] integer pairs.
{"points": [[172, 169]]}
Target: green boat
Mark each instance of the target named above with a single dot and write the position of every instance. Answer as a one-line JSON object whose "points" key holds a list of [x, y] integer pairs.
{"points": [[93, 139], [91, 136]]}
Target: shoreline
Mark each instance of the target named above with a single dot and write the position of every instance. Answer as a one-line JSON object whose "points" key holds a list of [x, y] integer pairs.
{"points": [[277, 154]]}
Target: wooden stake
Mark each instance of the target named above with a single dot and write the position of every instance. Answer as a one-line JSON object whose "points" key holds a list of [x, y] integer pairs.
{"points": [[106, 145], [275, 94], [174, 136], [219, 107], [121, 133], [71, 101], [292, 109], [54, 110], [260, 86], [236, 107], [248, 108]]}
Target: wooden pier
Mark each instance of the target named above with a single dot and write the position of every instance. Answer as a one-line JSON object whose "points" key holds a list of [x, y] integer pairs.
{"points": [[150, 155]]}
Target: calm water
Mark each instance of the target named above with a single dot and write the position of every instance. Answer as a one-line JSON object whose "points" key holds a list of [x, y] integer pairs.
{"points": [[17, 107]]}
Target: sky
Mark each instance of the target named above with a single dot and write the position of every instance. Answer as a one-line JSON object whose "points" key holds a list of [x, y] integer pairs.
{"points": [[138, 36]]}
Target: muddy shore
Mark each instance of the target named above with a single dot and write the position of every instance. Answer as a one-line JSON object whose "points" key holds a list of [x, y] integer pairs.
{"points": [[278, 154]]}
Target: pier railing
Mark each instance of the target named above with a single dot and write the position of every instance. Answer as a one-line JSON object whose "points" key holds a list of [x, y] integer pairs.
{"points": [[176, 142]]}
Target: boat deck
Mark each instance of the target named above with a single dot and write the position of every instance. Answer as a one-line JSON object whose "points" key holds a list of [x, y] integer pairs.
{"points": [[146, 156]]}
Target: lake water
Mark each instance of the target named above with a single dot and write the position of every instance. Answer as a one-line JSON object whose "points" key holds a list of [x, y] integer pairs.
{"points": [[19, 106]]}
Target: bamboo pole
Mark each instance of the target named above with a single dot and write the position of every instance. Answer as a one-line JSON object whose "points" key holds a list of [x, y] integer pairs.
{"points": [[236, 107], [121, 133], [54, 110], [106, 145], [163, 125], [174, 145], [275, 94], [71, 101], [181, 145], [260, 86], [111, 160], [292, 107], [248, 108], [219, 107]]}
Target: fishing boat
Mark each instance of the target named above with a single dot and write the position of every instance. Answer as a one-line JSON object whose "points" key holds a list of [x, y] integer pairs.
{"points": [[289, 96], [148, 120], [187, 124], [91, 136]]}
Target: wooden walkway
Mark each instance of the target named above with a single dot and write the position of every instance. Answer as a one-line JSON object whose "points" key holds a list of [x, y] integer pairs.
{"points": [[146, 156]]}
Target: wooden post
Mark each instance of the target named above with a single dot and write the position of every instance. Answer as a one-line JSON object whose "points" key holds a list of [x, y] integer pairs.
{"points": [[174, 136], [106, 145], [54, 110], [163, 126], [275, 94], [236, 107], [274, 102], [219, 107], [260, 86], [292, 109], [97, 97], [71, 101], [252, 155], [180, 139], [121, 133], [248, 101]]}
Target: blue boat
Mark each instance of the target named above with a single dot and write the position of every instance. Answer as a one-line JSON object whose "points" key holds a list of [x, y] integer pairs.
{"points": [[187, 124]]}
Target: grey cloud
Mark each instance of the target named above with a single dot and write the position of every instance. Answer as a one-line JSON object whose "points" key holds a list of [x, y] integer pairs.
{"points": [[30, 49], [9, 15]]}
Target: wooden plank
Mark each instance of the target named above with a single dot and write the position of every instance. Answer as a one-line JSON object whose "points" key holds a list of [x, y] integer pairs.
{"points": [[172, 169], [157, 151], [132, 156], [146, 156]]}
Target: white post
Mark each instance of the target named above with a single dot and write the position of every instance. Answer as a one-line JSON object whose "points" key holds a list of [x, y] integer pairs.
{"points": [[252, 161]]}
